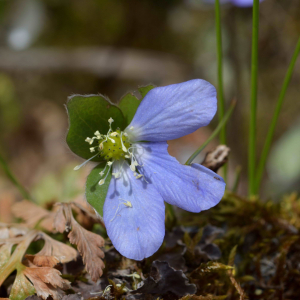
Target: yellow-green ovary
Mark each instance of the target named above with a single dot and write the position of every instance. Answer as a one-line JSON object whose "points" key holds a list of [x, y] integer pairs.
{"points": [[113, 150]]}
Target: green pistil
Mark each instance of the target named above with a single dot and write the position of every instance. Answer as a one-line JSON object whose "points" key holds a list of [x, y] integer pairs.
{"points": [[111, 147]]}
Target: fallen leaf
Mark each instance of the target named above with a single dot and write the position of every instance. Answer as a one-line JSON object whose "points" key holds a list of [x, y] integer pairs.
{"points": [[164, 279], [43, 260], [88, 243], [32, 214], [22, 287], [47, 282], [55, 248]]}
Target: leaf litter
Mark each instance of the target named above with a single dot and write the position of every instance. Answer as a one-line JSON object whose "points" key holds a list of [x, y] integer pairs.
{"points": [[241, 249]]}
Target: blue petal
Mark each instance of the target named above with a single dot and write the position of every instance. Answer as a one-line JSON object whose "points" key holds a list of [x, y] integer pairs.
{"points": [[173, 111], [243, 3], [138, 231], [193, 188]]}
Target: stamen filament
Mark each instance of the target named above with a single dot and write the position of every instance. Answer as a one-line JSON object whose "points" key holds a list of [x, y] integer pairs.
{"points": [[79, 166]]}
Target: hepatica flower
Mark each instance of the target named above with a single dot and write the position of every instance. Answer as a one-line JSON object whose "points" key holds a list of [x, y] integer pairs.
{"points": [[240, 3], [136, 174]]}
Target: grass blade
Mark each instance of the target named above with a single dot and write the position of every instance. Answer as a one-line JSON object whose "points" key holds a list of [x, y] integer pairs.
{"points": [[269, 138], [214, 134], [253, 104]]}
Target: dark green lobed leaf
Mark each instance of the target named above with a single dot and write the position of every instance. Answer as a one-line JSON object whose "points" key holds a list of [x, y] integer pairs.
{"points": [[145, 89], [88, 114], [129, 104], [95, 193]]}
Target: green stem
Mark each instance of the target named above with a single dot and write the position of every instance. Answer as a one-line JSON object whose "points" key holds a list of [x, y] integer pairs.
{"points": [[13, 179], [269, 138], [214, 134], [254, 73], [221, 102], [237, 178]]}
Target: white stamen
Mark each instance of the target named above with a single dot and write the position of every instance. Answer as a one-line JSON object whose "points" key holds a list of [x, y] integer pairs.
{"points": [[132, 167], [123, 147], [101, 146], [125, 134], [79, 166], [112, 140], [89, 140], [117, 175], [138, 176], [101, 173], [98, 135], [131, 128], [127, 156], [114, 134], [110, 120], [126, 203], [92, 149], [109, 164]]}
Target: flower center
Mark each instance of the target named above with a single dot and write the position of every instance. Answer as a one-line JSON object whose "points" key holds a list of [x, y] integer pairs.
{"points": [[113, 146]]}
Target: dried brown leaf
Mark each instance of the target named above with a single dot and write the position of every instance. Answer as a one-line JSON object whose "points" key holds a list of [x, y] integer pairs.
{"points": [[43, 260], [32, 214], [88, 245], [47, 282], [63, 252], [86, 215], [60, 219]]}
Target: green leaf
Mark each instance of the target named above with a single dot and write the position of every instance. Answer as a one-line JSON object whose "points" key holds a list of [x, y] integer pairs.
{"points": [[88, 114], [22, 288], [95, 193], [145, 89], [129, 104]]}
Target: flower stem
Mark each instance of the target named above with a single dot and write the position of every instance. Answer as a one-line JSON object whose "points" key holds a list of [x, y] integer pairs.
{"points": [[267, 145], [238, 171], [221, 102], [254, 73], [214, 134], [13, 179]]}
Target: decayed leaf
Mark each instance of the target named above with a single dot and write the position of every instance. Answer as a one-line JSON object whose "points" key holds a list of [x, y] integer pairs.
{"points": [[60, 222], [207, 297], [42, 261], [88, 243], [22, 287], [5, 251], [63, 252], [164, 279], [32, 214], [47, 282]]}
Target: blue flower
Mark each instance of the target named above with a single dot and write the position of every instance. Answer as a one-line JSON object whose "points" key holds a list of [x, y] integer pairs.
{"points": [[240, 3], [243, 3], [145, 175]]}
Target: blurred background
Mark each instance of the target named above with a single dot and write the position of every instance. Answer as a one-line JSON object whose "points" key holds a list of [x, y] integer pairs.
{"points": [[52, 49]]}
